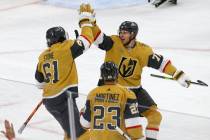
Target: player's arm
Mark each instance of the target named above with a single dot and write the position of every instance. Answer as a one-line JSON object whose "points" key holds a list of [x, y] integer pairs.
{"points": [[40, 82], [85, 115], [101, 40], [156, 61], [82, 43], [161, 63], [85, 39], [164, 65], [132, 119]]}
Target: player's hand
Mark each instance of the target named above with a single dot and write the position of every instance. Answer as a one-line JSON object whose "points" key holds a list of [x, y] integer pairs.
{"points": [[182, 78], [9, 132], [86, 15]]}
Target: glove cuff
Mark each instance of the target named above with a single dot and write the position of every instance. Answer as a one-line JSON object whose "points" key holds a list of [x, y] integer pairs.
{"points": [[181, 78], [87, 16], [86, 19], [178, 74], [85, 22]]}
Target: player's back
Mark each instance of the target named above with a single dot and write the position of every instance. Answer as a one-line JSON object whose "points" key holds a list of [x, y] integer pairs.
{"points": [[107, 105], [58, 67]]}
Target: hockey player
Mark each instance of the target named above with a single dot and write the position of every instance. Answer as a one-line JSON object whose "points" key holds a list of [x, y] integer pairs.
{"points": [[157, 3], [132, 56], [109, 106], [56, 71]]}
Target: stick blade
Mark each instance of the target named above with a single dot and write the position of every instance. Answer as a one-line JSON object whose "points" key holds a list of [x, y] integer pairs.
{"points": [[20, 130], [199, 81]]}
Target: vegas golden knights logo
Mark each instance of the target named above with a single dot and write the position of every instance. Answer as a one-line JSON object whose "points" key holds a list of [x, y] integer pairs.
{"points": [[127, 67]]}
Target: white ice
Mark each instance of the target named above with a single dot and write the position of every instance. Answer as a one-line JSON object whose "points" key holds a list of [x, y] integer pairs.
{"points": [[180, 33]]}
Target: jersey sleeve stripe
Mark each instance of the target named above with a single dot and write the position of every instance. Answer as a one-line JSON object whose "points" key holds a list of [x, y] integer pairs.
{"points": [[85, 41], [131, 122], [152, 133], [84, 122], [166, 65], [97, 35], [163, 65], [99, 38], [137, 126], [155, 129]]}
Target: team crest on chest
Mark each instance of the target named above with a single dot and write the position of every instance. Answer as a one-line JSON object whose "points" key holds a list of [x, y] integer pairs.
{"points": [[127, 66]]}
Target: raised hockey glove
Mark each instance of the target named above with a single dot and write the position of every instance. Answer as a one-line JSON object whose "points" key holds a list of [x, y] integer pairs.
{"points": [[86, 15], [182, 78]]}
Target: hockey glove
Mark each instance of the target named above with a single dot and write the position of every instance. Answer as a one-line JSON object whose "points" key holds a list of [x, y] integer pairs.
{"points": [[182, 78], [86, 15]]}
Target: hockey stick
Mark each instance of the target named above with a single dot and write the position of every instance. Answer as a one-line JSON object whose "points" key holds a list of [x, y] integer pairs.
{"points": [[157, 3], [122, 133], [20, 130], [199, 82]]}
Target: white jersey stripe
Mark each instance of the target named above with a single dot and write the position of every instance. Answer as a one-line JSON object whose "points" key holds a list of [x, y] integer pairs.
{"points": [[150, 133], [84, 122], [85, 42], [99, 39], [163, 64], [132, 122]]}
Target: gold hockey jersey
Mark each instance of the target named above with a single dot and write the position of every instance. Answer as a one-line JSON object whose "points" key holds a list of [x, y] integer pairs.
{"points": [[109, 106], [56, 70], [58, 67], [131, 61]]}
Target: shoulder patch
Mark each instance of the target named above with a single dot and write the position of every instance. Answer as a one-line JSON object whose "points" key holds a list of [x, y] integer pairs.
{"points": [[79, 42]]}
